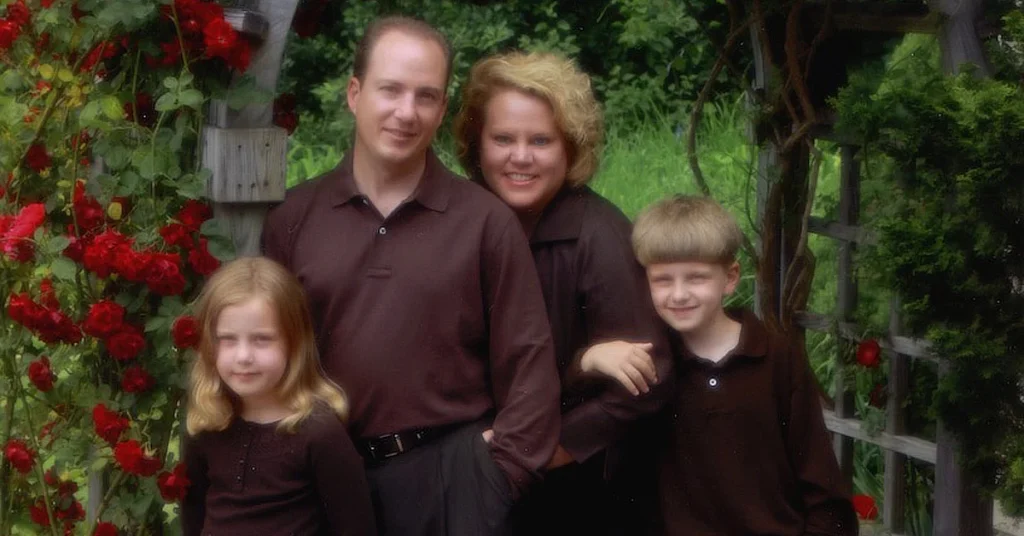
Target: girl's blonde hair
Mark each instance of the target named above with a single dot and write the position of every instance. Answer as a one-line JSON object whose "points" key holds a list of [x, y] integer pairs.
{"points": [[555, 80], [211, 404]]}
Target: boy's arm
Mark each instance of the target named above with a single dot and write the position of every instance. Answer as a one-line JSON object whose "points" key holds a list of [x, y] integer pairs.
{"points": [[193, 507], [823, 490], [617, 306]]}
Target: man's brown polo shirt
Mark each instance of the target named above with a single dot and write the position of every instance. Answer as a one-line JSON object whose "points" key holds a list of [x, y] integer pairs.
{"points": [[748, 451], [428, 317]]}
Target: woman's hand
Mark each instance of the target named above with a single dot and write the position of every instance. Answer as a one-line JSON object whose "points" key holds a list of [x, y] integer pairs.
{"points": [[628, 363]]}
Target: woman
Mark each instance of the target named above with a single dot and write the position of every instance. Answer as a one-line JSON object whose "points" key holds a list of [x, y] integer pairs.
{"points": [[531, 131]]}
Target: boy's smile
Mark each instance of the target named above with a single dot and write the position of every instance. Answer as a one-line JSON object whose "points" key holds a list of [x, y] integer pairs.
{"points": [[688, 295]]}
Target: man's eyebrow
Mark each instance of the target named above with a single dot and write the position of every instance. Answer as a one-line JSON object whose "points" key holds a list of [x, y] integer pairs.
{"points": [[390, 81]]}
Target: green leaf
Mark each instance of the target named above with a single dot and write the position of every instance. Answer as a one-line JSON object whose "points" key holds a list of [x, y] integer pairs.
{"points": [[63, 268], [57, 244], [171, 83], [112, 107], [167, 102], [192, 98]]}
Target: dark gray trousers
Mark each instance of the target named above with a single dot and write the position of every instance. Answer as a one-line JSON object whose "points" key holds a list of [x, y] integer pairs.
{"points": [[449, 487]]}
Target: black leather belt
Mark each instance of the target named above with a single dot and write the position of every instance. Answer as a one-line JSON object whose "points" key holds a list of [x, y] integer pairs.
{"points": [[377, 450]]}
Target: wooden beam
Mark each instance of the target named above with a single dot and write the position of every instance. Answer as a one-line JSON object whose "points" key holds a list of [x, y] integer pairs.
{"points": [[846, 298], [895, 479], [914, 447], [877, 16], [840, 231], [916, 348]]}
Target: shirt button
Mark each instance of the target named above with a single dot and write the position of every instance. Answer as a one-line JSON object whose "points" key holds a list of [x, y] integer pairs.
{"points": [[713, 382], [238, 478], [240, 462], [382, 230]]}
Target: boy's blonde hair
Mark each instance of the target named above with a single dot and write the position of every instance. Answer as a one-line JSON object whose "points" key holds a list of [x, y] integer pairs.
{"points": [[211, 404], [552, 78], [686, 228]]}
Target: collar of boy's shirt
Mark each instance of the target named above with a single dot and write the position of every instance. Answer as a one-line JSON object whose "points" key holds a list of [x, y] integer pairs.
{"points": [[753, 337], [432, 191]]}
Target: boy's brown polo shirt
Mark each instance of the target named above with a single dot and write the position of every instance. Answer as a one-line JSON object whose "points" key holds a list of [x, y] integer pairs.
{"points": [[431, 316], [747, 450]]}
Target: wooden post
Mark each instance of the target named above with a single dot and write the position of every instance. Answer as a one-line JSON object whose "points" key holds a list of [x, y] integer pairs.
{"points": [[849, 214], [894, 504], [958, 37], [242, 148]]}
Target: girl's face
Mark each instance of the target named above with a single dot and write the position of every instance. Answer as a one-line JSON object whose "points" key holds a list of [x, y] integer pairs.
{"points": [[252, 356], [522, 153]]}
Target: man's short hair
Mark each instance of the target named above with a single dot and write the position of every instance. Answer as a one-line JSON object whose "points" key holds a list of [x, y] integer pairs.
{"points": [[686, 228], [405, 25], [552, 78]]}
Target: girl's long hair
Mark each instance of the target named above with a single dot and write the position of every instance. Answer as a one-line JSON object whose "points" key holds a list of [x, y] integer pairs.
{"points": [[211, 404]]}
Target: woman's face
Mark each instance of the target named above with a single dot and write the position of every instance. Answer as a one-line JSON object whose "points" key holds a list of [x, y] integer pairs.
{"points": [[523, 156]]}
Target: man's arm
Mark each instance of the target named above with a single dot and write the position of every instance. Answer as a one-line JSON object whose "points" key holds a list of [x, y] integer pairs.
{"points": [[340, 479], [523, 373], [824, 491], [617, 306]]}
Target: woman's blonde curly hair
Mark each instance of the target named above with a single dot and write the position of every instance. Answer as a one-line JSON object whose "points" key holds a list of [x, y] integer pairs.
{"points": [[553, 78]]}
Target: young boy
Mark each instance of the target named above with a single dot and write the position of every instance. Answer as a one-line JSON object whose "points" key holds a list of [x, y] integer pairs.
{"points": [[747, 451]]}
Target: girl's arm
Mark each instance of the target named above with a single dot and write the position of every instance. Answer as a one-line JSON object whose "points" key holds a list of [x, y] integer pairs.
{"points": [[193, 508], [340, 480]]}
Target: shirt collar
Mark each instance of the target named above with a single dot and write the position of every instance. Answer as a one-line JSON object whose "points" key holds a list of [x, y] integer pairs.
{"points": [[432, 192], [563, 217], [753, 341]]}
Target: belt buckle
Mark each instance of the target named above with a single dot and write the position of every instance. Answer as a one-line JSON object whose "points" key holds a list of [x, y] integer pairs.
{"points": [[383, 440]]}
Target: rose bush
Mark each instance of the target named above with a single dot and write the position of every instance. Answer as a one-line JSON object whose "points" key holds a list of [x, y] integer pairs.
{"points": [[104, 241]]}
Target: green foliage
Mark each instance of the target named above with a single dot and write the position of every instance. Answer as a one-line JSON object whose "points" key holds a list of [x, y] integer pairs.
{"points": [[647, 58], [949, 242]]}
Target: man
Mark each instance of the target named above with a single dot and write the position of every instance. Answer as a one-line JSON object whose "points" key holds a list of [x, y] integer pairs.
{"points": [[427, 306]]}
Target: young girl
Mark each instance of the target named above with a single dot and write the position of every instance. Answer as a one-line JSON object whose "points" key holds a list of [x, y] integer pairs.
{"points": [[266, 451]]}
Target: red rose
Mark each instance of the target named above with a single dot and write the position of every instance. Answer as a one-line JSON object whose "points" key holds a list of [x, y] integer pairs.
{"points": [[104, 319], [284, 112], [58, 327], [46, 3], [869, 353], [89, 214], [100, 254], [105, 528], [21, 309], [47, 295], [133, 460], [131, 264], [173, 485], [9, 32], [185, 332], [37, 158], [878, 396], [18, 13], [41, 375], [109, 425], [76, 247], [136, 380], [20, 456], [193, 214], [163, 274], [176, 235], [219, 38], [14, 240], [126, 343], [241, 56], [201, 260], [38, 513], [865, 507], [74, 512]]}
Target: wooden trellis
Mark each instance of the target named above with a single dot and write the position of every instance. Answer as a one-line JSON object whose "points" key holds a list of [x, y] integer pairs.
{"points": [[958, 507]]}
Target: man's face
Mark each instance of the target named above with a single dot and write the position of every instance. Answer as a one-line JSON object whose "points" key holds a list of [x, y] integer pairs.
{"points": [[688, 295], [401, 100]]}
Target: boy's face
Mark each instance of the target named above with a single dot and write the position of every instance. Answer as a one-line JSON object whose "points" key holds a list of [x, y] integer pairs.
{"points": [[688, 295]]}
